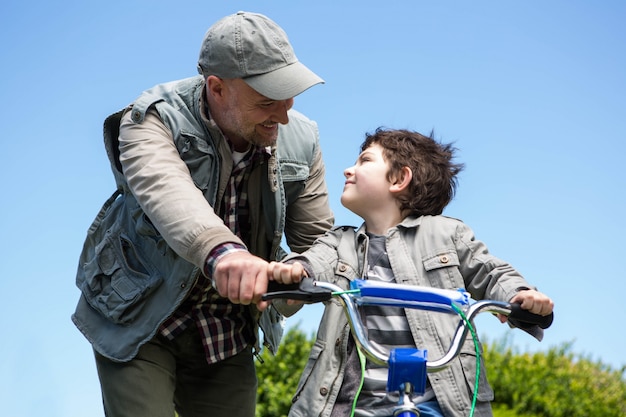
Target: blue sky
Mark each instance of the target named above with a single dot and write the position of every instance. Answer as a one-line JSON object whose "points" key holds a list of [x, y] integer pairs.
{"points": [[533, 94]]}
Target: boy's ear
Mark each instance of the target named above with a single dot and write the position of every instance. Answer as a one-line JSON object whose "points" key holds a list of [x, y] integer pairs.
{"points": [[401, 180]]}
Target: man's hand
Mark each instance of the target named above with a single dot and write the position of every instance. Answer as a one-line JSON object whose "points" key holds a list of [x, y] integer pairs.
{"points": [[242, 278]]}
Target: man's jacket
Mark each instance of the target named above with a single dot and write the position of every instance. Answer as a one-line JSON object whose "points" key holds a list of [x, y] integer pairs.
{"points": [[149, 242]]}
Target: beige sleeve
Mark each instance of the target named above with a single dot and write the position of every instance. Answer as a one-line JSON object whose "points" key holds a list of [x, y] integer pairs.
{"points": [[162, 184]]}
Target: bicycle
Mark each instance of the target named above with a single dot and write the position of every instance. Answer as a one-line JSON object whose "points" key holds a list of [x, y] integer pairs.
{"points": [[408, 367]]}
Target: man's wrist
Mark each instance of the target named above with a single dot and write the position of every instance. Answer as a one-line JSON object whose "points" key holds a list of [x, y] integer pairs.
{"points": [[218, 253]]}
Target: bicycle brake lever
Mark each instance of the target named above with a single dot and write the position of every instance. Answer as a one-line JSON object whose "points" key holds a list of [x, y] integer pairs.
{"points": [[304, 291]]}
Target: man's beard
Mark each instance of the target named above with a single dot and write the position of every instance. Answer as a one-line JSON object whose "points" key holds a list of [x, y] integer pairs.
{"points": [[258, 140], [239, 128]]}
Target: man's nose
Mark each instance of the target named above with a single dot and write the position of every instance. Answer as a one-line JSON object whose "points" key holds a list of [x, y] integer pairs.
{"points": [[281, 111]]}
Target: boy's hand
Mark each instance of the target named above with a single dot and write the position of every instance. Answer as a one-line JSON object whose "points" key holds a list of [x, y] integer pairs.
{"points": [[533, 301], [285, 273]]}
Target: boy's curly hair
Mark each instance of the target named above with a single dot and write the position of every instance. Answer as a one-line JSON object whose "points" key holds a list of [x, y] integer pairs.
{"points": [[434, 179]]}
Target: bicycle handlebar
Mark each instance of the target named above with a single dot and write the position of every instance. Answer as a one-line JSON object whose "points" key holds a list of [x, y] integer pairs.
{"points": [[363, 292]]}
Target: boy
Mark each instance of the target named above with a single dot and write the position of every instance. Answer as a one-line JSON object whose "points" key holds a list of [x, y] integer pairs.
{"points": [[400, 185]]}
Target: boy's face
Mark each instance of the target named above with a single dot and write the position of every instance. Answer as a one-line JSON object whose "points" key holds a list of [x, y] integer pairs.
{"points": [[367, 187]]}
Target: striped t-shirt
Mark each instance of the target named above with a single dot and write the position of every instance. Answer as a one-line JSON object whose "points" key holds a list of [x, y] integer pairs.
{"points": [[387, 328]]}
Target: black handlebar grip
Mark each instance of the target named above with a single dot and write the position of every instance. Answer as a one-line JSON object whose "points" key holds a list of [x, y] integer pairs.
{"points": [[524, 318], [273, 287], [303, 291]]}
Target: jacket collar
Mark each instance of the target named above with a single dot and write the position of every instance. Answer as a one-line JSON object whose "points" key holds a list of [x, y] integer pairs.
{"points": [[408, 222]]}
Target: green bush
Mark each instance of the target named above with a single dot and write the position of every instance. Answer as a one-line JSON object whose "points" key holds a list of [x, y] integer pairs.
{"points": [[278, 375], [555, 383]]}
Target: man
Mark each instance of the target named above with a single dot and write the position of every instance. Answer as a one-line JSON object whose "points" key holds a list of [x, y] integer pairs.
{"points": [[210, 172]]}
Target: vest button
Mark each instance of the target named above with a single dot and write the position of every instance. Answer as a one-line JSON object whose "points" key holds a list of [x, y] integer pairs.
{"points": [[324, 391], [444, 259], [136, 116]]}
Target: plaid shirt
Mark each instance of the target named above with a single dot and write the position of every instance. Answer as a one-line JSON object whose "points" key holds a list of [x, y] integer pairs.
{"points": [[226, 328]]}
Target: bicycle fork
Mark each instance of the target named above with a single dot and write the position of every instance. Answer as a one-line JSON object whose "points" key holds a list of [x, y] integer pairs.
{"points": [[405, 407]]}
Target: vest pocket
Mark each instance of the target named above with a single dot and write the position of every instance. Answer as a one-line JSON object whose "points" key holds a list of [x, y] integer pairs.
{"points": [[294, 176], [199, 158], [293, 171], [117, 279]]}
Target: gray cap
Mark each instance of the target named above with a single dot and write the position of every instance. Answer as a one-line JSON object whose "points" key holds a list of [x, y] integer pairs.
{"points": [[252, 47]]}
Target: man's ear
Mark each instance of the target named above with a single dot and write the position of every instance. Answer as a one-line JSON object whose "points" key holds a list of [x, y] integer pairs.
{"points": [[401, 180], [214, 86]]}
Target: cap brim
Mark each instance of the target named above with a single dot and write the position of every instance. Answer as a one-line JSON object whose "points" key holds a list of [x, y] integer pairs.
{"points": [[284, 83]]}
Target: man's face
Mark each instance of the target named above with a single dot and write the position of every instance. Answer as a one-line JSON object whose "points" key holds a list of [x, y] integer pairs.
{"points": [[247, 117]]}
